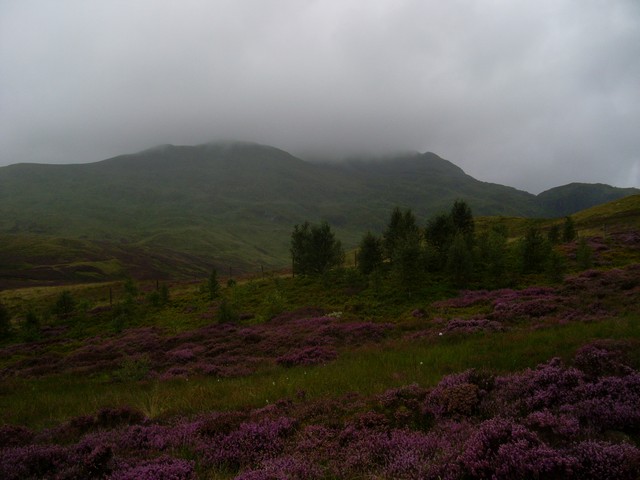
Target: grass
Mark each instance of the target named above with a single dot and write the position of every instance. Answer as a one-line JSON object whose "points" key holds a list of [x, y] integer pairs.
{"points": [[365, 370], [54, 399]]}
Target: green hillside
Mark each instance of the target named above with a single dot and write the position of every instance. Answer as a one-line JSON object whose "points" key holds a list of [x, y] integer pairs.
{"points": [[182, 209], [574, 197]]}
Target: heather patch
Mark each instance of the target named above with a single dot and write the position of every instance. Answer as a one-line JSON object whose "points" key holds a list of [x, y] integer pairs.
{"points": [[552, 421], [223, 350]]}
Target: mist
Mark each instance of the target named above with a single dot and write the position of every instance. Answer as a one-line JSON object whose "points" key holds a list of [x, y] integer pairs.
{"points": [[528, 94]]}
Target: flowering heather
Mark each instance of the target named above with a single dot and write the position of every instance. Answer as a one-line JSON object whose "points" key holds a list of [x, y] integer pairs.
{"points": [[503, 449], [553, 421], [473, 325], [14, 436], [308, 356], [162, 468], [600, 460], [289, 467], [221, 350], [457, 394], [54, 461], [250, 443], [602, 358]]}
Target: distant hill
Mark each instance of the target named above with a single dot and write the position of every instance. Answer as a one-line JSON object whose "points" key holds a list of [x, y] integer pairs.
{"points": [[574, 197], [182, 209]]}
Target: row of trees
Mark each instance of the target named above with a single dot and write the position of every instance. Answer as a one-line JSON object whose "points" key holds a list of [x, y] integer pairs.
{"points": [[447, 244]]}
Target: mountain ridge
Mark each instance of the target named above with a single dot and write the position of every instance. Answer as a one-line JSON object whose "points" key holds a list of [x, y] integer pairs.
{"points": [[236, 203]]}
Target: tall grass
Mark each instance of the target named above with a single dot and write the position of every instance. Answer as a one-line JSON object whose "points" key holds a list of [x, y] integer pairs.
{"points": [[367, 370]]}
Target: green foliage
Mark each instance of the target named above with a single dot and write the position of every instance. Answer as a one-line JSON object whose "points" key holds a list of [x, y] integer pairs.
{"points": [[462, 220], [213, 286], [226, 312], [401, 230], [460, 261], [274, 304], [96, 205], [556, 267], [568, 230], [439, 232], [574, 197], [65, 304], [401, 243], [492, 256], [31, 327], [314, 249], [130, 288], [584, 254], [159, 297], [133, 369], [407, 268], [534, 251], [553, 235], [370, 254]]}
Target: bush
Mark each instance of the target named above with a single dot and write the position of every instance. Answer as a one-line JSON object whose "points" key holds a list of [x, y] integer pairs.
{"points": [[65, 304]]}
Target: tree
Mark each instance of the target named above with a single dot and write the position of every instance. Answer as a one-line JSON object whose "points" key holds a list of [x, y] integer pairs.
{"points": [[213, 286], [462, 220], [555, 267], [314, 249], [369, 254], [439, 232], [584, 254], [553, 235], [406, 265], [392, 232], [535, 251], [569, 230], [130, 288], [402, 228], [65, 304], [459, 260], [492, 254]]}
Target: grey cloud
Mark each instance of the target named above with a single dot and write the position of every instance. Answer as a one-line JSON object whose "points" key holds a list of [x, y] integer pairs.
{"points": [[530, 94]]}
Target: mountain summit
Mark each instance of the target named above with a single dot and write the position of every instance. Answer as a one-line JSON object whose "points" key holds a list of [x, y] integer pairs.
{"points": [[236, 203]]}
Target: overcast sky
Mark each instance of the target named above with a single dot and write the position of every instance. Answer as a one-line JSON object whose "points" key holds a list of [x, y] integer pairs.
{"points": [[532, 94]]}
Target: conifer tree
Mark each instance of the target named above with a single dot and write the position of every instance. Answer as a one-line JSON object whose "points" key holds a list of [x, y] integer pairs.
{"points": [[462, 220], [569, 230], [401, 229], [314, 249], [370, 254], [584, 255], [213, 286], [460, 260], [535, 251]]}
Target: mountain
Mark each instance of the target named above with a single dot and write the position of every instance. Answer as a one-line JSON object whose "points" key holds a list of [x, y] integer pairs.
{"points": [[574, 197], [181, 209]]}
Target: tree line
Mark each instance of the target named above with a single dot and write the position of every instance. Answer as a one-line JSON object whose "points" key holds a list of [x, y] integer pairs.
{"points": [[448, 245]]}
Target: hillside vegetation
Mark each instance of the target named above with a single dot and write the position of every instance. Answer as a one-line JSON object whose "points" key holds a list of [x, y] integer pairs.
{"points": [[179, 210], [527, 372]]}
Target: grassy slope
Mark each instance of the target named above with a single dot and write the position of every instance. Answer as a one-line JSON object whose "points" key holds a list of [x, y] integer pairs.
{"points": [[574, 197], [398, 360], [180, 210]]}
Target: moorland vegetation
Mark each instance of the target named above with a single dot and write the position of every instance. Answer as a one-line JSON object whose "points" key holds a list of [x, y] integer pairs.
{"points": [[454, 349]]}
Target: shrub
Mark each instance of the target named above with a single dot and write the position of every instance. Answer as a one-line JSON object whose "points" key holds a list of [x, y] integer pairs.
{"points": [[65, 304], [308, 356]]}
